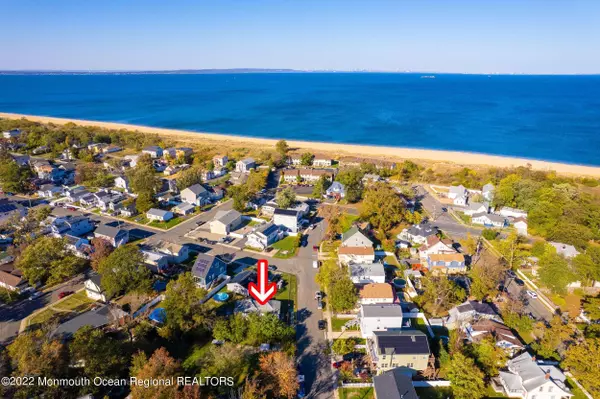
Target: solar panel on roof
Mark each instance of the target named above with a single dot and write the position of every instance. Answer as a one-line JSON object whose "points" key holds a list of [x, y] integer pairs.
{"points": [[404, 344]]}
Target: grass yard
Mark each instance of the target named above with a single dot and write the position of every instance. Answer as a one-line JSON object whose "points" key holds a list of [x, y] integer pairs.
{"points": [[77, 302], [42, 317], [138, 219], [446, 392], [346, 221], [289, 293], [337, 324], [330, 246], [577, 393], [286, 248], [356, 393], [166, 225], [392, 261]]}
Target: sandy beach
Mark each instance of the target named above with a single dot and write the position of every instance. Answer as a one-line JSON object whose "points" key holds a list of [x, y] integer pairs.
{"points": [[335, 149]]}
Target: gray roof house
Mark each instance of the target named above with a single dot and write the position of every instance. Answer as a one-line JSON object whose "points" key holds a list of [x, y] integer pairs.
{"points": [[159, 214], [470, 311], [566, 250], [418, 233], [528, 379], [114, 235], [488, 191], [248, 306], [366, 273], [355, 238], [195, 194], [394, 384], [245, 165], [336, 190], [100, 317], [406, 349], [207, 269], [225, 222]]}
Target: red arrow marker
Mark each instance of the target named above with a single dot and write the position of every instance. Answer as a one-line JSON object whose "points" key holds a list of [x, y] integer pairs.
{"points": [[265, 290]]}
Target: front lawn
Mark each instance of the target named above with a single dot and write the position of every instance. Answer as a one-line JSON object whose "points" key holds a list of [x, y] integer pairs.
{"points": [[77, 302], [166, 225], [286, 248], [288, 294], [346, 221], [337, 324], [356, 393]]}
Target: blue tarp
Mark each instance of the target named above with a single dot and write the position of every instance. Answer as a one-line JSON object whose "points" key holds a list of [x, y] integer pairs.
{"points": [[158, 315]]}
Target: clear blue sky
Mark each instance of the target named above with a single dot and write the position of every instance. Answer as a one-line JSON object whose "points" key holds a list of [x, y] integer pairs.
{"points": [[477, 36]]}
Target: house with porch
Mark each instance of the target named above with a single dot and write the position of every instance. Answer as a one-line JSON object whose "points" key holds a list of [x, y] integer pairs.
{"points": [[114, 235], [264, 236]]}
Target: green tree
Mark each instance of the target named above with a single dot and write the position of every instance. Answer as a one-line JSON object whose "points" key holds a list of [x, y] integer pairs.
{"points": [[100, 355], [182, 304], [144, 202], [506, 191], [321, 186], [268, 328], [160, 366], [257, 180], [511, 249], [124, 271], [285, 198], [225, 360], [466, 378], [382, 206], [351, 178], [469, 244], [591, 306], [13, 178], [343, 346], [306, 159], [554, 272], [489, 357], [143, 178], [485, 278], [46, 260], [240, 197], [585, 269], [189, 177], [342, 292], [551, 340], [583, 360], [282, 148], [234, 329], [440, 294]]}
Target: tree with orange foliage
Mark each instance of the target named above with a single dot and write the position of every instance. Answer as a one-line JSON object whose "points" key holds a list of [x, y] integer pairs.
{"points": [[160, 366], [280, 373], [102, 249]]}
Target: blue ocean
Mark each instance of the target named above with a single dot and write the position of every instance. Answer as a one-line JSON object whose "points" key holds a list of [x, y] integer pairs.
{"points": [[554, 118]]}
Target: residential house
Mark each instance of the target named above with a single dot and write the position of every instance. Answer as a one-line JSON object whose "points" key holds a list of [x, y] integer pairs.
{"points": [[469, 312], [446, 263], [49, 191], [88, 200], [207, 269], [337, 190], [301, 207], [489, 220], [196, 195], [287, 219], [375, 293], [183, 152], [502, 335], [394, 384], [154, 151], [488, 192], [509, 212], [264, 236], [418, 233], [459, 195], [245, 165], [132, 159], [43, 149], [71, 225], [184, 209], [97, 148], [312, 175], [12, 282], [169, 153], [407, 350], [111, 148], [220, 161], [114, 235], [434, 246], [99, 317], [356, 255], [225, 222], [290, 176], [566, 250], [74, 194], [370, 178], [157, 262], [13, 133], [159, 215], [128, 209], [249, 306], [520, 225], [269, 207], [526, 378], [43, 169], [238, 178], [9, 210], [322, 161], [355, 238], [93, 288], [80, 247], [177, 253], [21, 160], [366, 273], [122, 182], [106, 200], [379, 317], [216, 193], [477, 207]]}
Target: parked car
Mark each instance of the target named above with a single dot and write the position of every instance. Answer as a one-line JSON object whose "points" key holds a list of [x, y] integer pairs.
{"points": [[532, 294], [312, 226], [272, 268], [34, 295], [511, 274], [322, 324], [318, 295], [301, 389], [315, 264], [64, 294], [519, 282], [320, 305], [315, 248]]}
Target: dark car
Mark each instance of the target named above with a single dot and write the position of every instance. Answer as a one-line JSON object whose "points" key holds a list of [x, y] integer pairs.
{"points": [[519, 282], [304, 241], [511, 274], [315, 248], [322, 324], [64, 294]]}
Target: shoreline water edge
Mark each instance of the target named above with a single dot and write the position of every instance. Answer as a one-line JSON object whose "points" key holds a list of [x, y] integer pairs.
{"points": [[337, 149]]}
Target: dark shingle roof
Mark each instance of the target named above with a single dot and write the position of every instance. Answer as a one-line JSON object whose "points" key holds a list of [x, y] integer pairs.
{"points": [[203, 264], [394, 384], [408, 342], [286, 212]]}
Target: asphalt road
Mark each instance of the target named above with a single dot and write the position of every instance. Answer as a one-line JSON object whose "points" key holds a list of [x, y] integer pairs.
{"points": [[532, 306]]}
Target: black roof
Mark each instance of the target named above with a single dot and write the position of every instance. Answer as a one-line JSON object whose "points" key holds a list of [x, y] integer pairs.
{"points": [[404, 342], [203, 264], [394, 384], [7, 207], [288, 212]]}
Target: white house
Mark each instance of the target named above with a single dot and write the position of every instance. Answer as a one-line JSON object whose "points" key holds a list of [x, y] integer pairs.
{"points": [[459, 195], [356, 255], [434, 245], [264, 236], [122, 182], [374, 293], [521, 226], [418, 233], [154, 151], [114, 235], [507, 211], [477, 207], [489, 220], [157, 262], [220, 161], [488, 192], [528, 379], [170, 152], [195, 194], [379, 317], [72, 225], [322, 161], [176, 253], [468, 312], [159, 215], [49, 191], [337, 190], [366, 273], [184, 208], [9, 134], [355, 238], [225, 222], [566, 250], [93, 289], [245, 165], [287, 219], [132, 159]]}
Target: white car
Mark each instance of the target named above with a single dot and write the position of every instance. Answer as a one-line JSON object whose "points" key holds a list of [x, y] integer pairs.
{"points": [[532, 294], [315, 264]]}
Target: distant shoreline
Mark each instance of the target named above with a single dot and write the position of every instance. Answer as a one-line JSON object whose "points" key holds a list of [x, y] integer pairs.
{"points": [[335, 149]]}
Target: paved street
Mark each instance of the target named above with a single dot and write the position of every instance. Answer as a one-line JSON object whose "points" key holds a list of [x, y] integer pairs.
{"points": [[533, 306]]}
